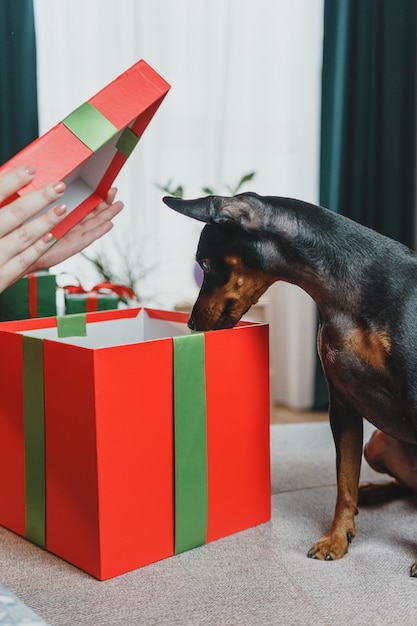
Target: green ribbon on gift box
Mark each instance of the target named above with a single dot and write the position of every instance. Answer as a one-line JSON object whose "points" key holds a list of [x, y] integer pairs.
{"points": [[190, 442], [190, 438], [94, 130], [90, 126], [127, 142], [34, 425], [34, 442], [74, 325]]}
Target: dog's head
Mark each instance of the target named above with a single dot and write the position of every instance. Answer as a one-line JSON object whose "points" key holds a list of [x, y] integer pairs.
{"points": [[229, 253]]}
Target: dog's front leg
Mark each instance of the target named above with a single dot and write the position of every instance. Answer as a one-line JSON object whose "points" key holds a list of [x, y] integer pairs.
{"points": [[347, 428]]}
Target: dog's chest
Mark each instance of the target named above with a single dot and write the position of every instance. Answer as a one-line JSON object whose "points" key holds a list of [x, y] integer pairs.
{"points": [[356, 369]]}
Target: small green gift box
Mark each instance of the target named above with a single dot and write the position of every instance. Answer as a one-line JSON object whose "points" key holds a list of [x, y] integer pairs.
{"points": [[33, 295], [101, 297]]}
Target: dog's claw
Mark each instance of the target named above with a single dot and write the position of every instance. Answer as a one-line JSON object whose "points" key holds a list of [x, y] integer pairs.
{"points": [[313, 555], [332, 547]]}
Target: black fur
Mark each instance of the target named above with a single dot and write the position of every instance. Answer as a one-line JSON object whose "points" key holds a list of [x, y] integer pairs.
{"points": [[365, 288]]}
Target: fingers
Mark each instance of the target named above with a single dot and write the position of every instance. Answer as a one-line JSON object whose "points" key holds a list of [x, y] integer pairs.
{"points": [[111, 194], [92, 234], [95, 225], [12, 181], [92, 227], [18, 265], [20, 248], [26, 223], [104, 204], [101, 213], [100, 224], [95, 228], [17, 212], [28, 233], [24, 229]]}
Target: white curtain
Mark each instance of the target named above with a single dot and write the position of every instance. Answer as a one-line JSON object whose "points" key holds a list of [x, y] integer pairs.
{"points": [[245, 96]]}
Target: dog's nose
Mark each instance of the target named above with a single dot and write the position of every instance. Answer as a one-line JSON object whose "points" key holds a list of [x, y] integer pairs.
{"points": [[191, 324]]}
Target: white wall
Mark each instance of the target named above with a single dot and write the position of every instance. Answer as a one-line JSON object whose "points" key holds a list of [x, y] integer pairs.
{"points": [[245, 96]]}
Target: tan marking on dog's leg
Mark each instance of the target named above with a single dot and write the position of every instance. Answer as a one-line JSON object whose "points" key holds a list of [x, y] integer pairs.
{"points": [[335, 543]]}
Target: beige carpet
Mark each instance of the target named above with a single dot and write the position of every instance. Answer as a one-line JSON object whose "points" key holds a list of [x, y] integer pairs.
{"points": [[260, 577]]}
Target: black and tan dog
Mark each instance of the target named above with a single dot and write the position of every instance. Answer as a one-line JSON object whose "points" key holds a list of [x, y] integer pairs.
{"points": [[365, 288]]}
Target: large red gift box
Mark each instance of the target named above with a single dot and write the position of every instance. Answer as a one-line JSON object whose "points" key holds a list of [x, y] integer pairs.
{"points": [[135, 440], [90, 146]]}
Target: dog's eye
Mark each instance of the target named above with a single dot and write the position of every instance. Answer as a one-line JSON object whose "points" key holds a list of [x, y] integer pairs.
{"points": [[205, 265]]}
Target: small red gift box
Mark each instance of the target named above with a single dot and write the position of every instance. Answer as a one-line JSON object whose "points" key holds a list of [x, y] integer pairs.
{"points": [[133, 442], [90, 146]]}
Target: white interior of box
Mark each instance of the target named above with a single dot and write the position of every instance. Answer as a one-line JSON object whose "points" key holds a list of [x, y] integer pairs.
{"points": [[117, 332], [84, 180]]}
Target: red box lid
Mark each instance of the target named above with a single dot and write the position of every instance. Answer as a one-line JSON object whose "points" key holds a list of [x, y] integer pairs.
{"points": [[90, 146]]}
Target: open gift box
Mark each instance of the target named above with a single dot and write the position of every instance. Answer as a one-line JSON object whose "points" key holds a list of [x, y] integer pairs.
{"points": [[90, 146], [134, 442]]}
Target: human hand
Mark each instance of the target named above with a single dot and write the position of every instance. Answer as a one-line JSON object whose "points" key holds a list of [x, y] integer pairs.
{"points": [[96, 224], [22, 242], [25, 245]]}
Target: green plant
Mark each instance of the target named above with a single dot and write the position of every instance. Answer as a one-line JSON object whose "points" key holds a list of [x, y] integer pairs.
{"points": [[133, 267], [178, 190]]}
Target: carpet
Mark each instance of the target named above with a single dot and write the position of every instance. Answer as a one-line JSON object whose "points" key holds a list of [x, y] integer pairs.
{"points": [[259, 577]]}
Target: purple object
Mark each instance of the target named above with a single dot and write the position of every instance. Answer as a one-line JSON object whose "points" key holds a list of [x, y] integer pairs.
{"points": [[198, 274]]}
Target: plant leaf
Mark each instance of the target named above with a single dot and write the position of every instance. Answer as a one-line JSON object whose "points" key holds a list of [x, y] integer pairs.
{"points": [[245, 179]]}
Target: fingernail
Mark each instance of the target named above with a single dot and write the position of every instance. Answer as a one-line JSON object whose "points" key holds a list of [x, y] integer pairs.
{"points": [[47, 238], [30, 169], [60, 210], [59, 187]]}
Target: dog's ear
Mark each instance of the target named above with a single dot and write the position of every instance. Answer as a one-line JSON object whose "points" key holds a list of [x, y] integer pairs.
{"points": [[203, 209], [240, 210]]}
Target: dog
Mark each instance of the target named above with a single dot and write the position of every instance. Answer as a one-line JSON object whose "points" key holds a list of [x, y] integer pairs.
{"points": [[365, 288]]}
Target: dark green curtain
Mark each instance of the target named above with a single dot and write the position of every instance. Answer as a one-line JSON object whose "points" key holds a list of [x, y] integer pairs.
{"points": [[368, 119], [18, 95]]}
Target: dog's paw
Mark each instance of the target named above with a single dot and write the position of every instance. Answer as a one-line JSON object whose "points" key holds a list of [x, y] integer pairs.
{"points": [[331, 547], [377, 493], [413, 570]]}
